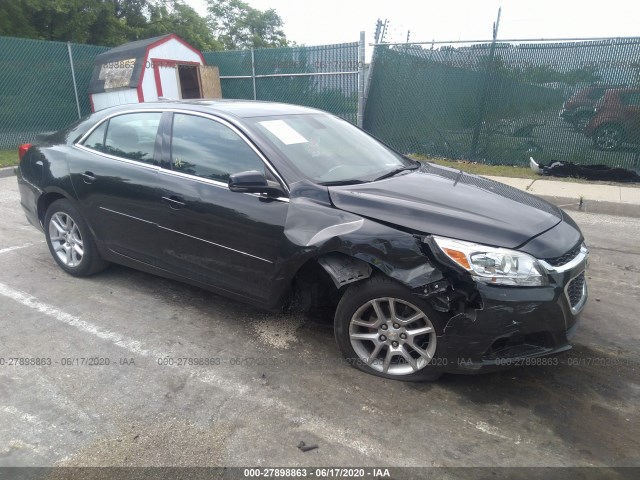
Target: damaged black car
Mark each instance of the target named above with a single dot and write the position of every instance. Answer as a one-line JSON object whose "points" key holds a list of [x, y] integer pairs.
{"points": [[428, 269]]}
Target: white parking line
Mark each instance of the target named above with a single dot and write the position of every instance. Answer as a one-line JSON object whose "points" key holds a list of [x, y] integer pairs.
{"points": [[319, 426], [11, 249], [32, 302]]}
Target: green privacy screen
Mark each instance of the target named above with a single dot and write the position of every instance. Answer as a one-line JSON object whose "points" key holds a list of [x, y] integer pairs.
{"points": [[36, 87], [569, 101], [323, 77]]}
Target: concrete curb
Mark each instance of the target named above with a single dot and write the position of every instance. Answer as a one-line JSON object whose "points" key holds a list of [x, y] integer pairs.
{"points": [[595, 206], [607, 199], [7, 172]]}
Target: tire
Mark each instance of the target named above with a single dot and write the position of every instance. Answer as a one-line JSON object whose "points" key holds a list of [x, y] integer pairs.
{"points": [[357, 304], [582, 120], [608, 137], [70, 241]]}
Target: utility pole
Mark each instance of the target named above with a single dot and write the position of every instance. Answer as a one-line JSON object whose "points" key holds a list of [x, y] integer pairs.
{"points": [[361, 85], [482, 105]]}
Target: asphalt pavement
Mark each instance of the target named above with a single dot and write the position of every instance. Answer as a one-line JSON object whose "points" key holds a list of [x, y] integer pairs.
{"points": [[142, 371]]}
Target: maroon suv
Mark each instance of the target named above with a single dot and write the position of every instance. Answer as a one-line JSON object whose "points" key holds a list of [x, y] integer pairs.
{"points": [[578, 109], [616, 119]]}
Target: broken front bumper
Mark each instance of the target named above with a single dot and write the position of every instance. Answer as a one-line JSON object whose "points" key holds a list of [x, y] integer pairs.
{"points": [[516, 325]]}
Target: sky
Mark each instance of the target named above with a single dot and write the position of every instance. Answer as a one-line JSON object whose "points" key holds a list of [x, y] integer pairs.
{"points": [[319, 22]]}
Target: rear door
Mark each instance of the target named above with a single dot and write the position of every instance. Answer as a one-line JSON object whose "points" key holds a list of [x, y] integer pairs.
{"points": [[114, 171], [222, 238]]}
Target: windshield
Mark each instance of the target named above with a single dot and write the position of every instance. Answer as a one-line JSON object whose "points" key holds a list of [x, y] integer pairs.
{"points": [[329, 150]]}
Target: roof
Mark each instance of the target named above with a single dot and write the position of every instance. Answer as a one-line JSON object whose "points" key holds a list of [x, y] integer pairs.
{"points": [[129, 50], [233, 108]]}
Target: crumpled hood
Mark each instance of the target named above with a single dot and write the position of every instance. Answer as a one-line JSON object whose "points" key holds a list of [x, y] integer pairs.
{"points": [[446, 202]]}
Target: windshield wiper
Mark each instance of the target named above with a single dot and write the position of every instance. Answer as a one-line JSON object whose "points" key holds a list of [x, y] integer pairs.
{"points": [[397, 171], [342, 182]]}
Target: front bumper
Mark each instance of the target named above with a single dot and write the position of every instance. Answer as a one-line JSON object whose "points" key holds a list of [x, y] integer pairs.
{"points": [[516, 325]]}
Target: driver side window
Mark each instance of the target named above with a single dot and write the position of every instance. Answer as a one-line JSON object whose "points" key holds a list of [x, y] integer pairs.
{"points": [[209, 149]]}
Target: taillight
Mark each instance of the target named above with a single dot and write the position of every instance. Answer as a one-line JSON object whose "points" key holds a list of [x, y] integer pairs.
{"points": [[22, 149]]}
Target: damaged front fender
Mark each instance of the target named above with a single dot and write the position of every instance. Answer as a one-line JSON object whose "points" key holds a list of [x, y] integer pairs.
{"points": [[349, 247]]}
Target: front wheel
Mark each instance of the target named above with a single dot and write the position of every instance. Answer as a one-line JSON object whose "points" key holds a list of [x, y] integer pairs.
{"points": [[70, 241], [383, 329], [582, 120], [608, 137]]}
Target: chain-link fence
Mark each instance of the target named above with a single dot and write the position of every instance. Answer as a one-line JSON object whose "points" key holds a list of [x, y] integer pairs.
{"points": [[573, 101], [37, 86], [324, 77], [44, 85]]}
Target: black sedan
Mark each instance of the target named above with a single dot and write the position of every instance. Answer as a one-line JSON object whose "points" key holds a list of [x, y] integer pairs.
{"points": [[428, 269]]}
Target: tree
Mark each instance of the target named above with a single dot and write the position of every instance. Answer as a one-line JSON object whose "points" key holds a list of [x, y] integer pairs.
{"points": [[545, 74], [184, 21], [101, 22], [14, 21], [230, 24], [238, 25]]}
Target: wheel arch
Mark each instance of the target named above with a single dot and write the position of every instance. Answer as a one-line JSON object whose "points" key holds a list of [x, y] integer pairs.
{"points": [[321, 280], [612, 122], [47, 198]]}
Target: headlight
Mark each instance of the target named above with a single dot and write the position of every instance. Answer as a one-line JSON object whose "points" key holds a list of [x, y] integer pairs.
{"points": [[496, 266]]}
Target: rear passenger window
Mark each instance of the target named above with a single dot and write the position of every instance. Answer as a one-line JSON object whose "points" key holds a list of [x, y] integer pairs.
{"points": [[208, 149], [96, 139], [131, 136]]}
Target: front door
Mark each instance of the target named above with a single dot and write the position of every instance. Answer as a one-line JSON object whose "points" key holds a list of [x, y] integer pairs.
{"points": [[225, 239]]}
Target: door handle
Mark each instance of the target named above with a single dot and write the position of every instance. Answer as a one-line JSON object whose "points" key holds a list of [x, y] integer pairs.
{"points": [[174, 202], [88, 177]]}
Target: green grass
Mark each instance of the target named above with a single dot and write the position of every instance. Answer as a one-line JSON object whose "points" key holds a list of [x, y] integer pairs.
{"points": [[8, 158], [482, 168]]}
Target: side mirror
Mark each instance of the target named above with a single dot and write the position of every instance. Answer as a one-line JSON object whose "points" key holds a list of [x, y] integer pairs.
{"points": [[253, 181]]}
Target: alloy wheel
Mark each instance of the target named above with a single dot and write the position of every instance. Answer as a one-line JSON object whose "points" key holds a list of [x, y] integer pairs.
{"points": [[608, 138], [392, 336], [66, 239], [582, 121]]}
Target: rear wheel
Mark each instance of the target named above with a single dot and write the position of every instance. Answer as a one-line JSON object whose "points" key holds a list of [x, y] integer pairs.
{"points": [[608, 137], [383, 329], [70, 241]]}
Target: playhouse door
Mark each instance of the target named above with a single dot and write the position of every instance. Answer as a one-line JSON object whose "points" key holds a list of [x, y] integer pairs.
{"points": [[209, 81]]}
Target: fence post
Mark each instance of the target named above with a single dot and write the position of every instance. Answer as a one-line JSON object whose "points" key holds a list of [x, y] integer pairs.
{"points": [[361, 60], [485, 92], [73, 77], [376, 40], [253, 72]]}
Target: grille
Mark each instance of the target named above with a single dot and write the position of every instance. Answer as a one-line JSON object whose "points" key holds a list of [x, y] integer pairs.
{"points": [[566, 258], [575, 290]]}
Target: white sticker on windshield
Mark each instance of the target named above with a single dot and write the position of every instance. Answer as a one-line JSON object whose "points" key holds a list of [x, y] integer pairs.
{"points": [[285, 133]]}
